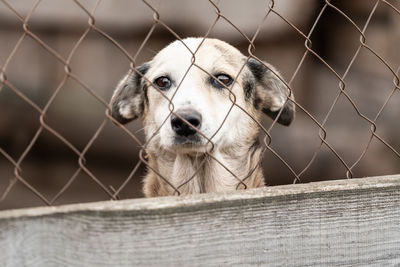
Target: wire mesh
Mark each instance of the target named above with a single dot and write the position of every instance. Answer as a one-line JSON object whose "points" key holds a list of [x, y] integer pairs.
{"points": [[318, 123]]}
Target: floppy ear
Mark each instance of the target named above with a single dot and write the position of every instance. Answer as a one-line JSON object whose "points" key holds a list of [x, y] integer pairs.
{"points": [[271, 93], [127, 102]]}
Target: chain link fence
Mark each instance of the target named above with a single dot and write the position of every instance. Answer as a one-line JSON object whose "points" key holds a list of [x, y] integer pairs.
{"points": [[347, 106]]}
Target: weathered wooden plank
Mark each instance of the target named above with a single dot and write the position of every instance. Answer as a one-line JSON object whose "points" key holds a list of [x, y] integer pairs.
{"points": [[344, 223]]}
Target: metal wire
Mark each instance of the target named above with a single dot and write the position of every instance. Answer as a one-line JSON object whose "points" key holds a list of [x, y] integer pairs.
{"points": [[270, 10]]}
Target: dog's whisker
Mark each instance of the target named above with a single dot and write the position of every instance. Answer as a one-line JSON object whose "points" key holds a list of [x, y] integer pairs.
{"points": [[143, 129]]}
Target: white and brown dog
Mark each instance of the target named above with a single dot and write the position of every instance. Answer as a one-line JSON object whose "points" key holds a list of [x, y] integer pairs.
{"points": [[208, 143]]}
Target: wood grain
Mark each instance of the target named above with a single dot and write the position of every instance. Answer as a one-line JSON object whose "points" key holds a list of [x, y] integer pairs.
{"points": [[338, 223]]}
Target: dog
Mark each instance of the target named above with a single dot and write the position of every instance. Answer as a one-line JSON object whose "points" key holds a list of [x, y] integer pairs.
{"points": [[199, 100]]}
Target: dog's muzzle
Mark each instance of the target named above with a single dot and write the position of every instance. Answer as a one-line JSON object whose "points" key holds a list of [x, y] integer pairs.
{"points": [[183, 129]]}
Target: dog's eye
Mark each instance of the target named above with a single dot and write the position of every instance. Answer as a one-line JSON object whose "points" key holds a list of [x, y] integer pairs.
{"points": [[163, 82], [222, 78]]}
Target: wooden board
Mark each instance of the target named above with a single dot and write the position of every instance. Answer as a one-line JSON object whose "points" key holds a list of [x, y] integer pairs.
{"points": [[337, 223]]}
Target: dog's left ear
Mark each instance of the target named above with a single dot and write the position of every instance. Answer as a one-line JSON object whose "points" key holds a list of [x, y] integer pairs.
{"points": [[271, 93], [127, 102]]}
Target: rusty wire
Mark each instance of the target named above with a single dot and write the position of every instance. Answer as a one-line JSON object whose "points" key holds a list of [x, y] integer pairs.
{"points": [[271, 10]]}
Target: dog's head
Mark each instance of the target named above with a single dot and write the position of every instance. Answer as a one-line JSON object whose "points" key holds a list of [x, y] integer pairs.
{"points": [[208, 94]]}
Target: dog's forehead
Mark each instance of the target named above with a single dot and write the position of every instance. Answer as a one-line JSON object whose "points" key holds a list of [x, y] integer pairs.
{"points": [[212, 53]]}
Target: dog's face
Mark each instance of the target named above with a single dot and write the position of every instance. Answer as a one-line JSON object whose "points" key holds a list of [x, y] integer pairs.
{"points": [[214, 96]]}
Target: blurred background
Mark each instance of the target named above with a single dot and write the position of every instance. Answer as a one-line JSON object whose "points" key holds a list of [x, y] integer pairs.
{"points": [[49, 164]]}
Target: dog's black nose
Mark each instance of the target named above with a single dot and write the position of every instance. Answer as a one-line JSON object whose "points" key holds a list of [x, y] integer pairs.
{"points": [[180, 127]]}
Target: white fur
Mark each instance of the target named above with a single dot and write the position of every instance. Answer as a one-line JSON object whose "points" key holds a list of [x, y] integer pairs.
{"points": [[193, 92]]}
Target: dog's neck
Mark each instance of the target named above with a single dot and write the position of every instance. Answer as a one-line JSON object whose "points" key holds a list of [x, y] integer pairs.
{"points": [[220, 170]]}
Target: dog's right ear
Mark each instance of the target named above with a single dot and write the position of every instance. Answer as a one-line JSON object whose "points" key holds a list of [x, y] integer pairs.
{"points": [[271, 93], [127, 102]]}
